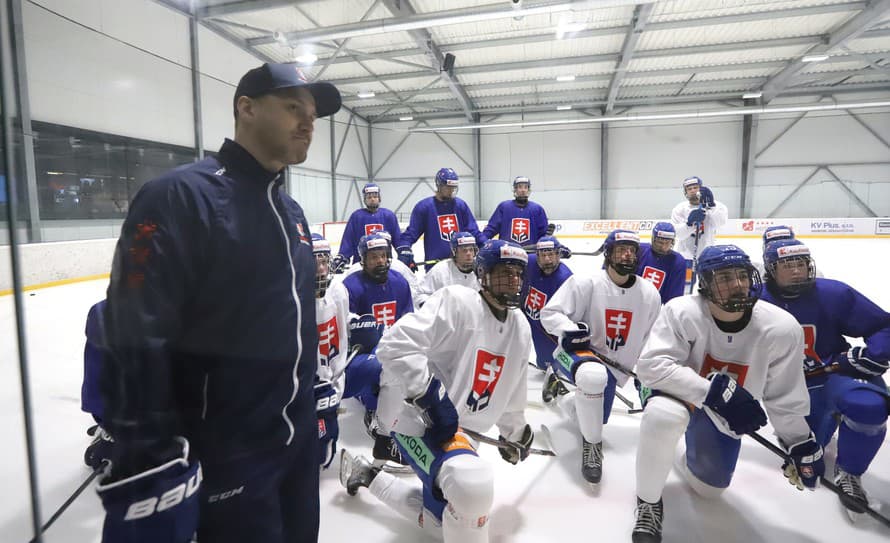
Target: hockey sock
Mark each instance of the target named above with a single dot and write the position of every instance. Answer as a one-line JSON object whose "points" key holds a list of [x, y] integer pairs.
{"points": [[591, 379], [664, 421], [862, 430]]}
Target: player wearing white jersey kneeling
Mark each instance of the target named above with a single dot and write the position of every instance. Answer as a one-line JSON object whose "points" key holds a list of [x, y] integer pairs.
{"points": [[709, 360], [612, 311], [470, 347]]}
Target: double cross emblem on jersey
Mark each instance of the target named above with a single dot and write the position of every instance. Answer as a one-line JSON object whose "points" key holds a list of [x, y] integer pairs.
{"points": [[618, 322], [535, 300], [735, 370], [447, 226], [488, 369], [328, 341], [385, 313], [519, 229], [654, 276], [370, 228]]}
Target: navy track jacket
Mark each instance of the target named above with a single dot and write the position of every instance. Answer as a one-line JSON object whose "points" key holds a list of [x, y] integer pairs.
{"points": [[210, 318]]}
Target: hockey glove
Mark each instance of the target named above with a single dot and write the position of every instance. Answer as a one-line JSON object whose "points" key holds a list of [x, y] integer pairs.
{"points": [[706, 197], [365, 333], [339, 263], [516, 451], [326, 403], [437, 411], [856, 363], [574, 349], [696, 216], [808, 464], [99, 450], [729, 402], [551, 228], [406, 256], [565, 252], [159, 505]]}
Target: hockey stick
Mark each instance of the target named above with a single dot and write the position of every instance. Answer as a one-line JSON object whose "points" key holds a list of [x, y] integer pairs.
{"points": [[848, 501], [96, 472], [482, 438], [822, 370], [694, 277]]}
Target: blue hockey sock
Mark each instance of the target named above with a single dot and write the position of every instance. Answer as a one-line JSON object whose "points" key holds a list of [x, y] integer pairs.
{"points": [[862, 430]]}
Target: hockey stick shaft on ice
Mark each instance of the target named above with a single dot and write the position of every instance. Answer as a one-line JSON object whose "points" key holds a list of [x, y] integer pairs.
{"points": [[482, 438], [98, 471]]}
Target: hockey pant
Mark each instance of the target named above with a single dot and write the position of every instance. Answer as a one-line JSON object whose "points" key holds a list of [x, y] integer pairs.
{"points": [[456, 488], [93, 359], [860, 408], [594, 397], [363, 380], [269, 496]]}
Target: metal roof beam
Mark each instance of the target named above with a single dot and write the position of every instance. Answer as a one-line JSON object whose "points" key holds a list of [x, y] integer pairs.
{"points": [[839, 37], [637, 24], [244, 6], [425, 40]]}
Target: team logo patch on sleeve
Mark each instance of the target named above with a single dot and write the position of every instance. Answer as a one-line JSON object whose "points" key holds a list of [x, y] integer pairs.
{"points": [[447, 225], [488, 370], [328, 341], [519, 229], [535, 300], [733, 369], [385, 313], [373, 227], [654, 276], [618, 322]]}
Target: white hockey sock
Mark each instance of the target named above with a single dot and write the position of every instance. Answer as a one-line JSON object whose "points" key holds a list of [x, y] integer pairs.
{"points": [[664, 421], [591, 379], [403, 497], [467, 482]]}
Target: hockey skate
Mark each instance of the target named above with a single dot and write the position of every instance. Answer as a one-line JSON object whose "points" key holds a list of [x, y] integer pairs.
{"points": [[648, 519], [592, 461], [553, 387], [387, 455], [355, 472], [851, 486]]}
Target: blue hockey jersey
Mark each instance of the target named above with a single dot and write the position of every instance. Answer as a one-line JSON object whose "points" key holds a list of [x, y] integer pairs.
{"points": [[386, 301], [362, 223], [538, 290], [667, 272], [435, 221], [521, 224], [828, 312]]}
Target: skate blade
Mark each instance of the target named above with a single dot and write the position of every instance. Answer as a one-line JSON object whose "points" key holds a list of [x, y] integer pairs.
{"points": [[346, 460], [392, 467]]}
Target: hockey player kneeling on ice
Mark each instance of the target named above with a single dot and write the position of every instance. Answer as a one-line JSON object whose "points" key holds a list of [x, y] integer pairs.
{"points": [[457, 270], [459, 361], [845, 384], [710, 359], [611, 311], [661, 264], [394, 265]]}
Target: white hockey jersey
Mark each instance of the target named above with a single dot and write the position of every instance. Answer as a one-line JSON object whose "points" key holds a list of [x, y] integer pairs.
{"points": [[481, 361], [619, 318], [443, 274], [332, 317], [766, 358], [714, 219]]}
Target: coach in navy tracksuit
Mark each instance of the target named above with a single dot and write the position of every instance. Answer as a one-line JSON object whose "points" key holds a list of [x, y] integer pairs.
{"points": [[210, 328]]}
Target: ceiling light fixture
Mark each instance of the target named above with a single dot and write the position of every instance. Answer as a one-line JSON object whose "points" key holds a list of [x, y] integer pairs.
{"points": [[306, 58], [815, 58], [366, 94], [408, 118], [563, 108], [565, 78], [752, 95], [279, 36]]}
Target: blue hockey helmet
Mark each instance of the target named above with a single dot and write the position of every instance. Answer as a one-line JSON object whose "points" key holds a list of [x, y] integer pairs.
{"points": [[519, 180], [621, 237], [550, 245], [521, 199], [446, 177], [690, 181], [777, 232], [463, 260], [321, 248], [374, 242], [499, 252], [461, 239], [664, 230], [722, 257], [798, 259]]}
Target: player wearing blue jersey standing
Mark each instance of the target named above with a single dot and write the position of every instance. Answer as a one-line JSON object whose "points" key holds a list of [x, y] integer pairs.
{"points": [[436, 218], [546, 273], [845, 384], [661, 265], [518, 220], [371, 218]]}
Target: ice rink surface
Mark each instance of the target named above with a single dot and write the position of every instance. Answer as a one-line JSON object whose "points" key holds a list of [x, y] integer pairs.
{"points": [[541, 500]]}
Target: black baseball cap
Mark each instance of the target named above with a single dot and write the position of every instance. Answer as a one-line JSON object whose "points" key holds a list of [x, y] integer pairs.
{"points": [[274, 76]]}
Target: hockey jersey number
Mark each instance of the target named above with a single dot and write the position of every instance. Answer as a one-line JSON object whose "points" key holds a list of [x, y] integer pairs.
{"points": [[654, 276], [733, 369], [370, 228], [328, 341], [519, 229], [535, 301], [385, 313], [618, 322], [447, 225], [485, 379]]}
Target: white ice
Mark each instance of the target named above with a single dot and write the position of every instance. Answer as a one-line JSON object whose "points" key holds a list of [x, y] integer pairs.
{"points": [[541, 500]]}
